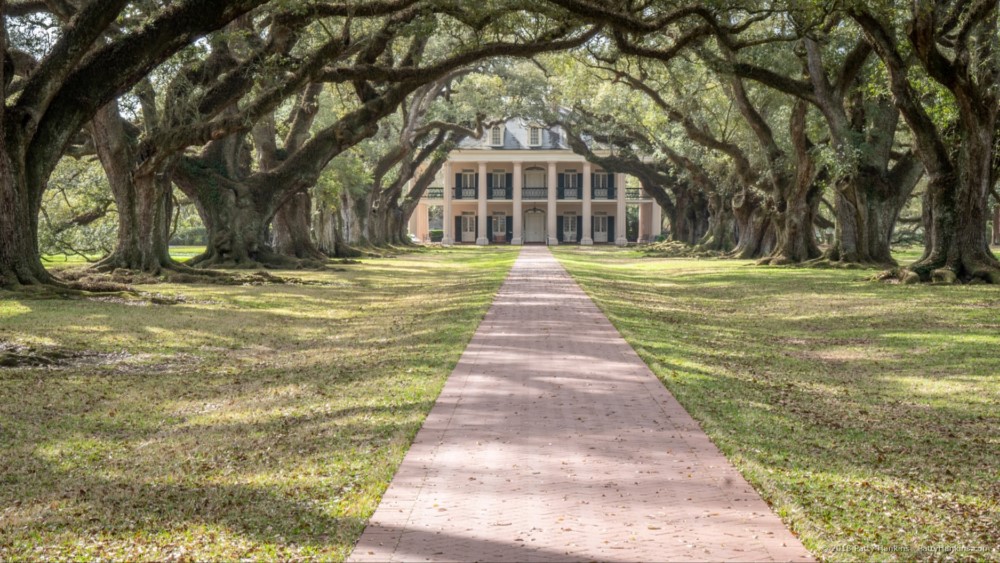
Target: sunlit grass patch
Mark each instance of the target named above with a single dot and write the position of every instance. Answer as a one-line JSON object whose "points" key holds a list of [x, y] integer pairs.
{"points": [[865, 413], [244, 422]]}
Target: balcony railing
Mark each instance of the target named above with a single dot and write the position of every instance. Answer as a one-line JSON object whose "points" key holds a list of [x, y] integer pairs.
{"points": [[534, 193], [634, 193], [570, 193], [603, 193], [435, 193], [500, 193], [465, 193]]}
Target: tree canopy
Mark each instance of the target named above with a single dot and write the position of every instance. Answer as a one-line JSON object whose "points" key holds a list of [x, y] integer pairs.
{"points": [[789, 132]]}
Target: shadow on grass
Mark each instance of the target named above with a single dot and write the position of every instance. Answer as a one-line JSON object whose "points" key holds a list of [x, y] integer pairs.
{"points": [[250, 422], [864, 412]]}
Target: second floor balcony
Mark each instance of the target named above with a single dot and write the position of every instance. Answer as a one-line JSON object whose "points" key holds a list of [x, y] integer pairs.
{"points": [[534, 193]]}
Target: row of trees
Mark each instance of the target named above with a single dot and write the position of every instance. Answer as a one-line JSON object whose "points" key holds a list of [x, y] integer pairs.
{"points": [[752, 124]]}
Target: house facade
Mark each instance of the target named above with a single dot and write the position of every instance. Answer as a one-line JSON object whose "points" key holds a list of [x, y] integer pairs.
{"points": [[521, 184]]}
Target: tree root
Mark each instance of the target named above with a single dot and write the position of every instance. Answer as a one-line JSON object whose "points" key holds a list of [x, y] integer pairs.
{"points": [[940, 276], [675, 249]]}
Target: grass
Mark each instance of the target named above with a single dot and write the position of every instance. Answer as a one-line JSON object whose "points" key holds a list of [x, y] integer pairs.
{"points": [[865, 414], [244, 422], [56, 261]]}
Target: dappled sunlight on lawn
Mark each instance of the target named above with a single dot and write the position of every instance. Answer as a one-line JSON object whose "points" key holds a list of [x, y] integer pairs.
{"points": [[864, 412], [245, 422]]}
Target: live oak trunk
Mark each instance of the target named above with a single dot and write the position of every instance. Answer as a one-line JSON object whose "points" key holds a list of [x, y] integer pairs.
{"points": [[688, 215], [721, 233], [236, 219], [996, 224], [20, 203], [754, 228], [143, 200], [867, 208], [292, 229], [957, 245]]}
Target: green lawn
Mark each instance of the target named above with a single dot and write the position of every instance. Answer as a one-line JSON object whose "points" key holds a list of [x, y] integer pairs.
{"points": [[56, 261], [243, 422], [865, 413]]}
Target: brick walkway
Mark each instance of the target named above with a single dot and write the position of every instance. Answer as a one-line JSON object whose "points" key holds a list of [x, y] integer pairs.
{"points": [[552, 441]]}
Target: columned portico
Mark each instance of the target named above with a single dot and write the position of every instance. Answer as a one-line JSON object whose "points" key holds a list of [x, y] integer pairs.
{"points": [[522, 184], [587, 237], [482, 238], [551, 213], [518, 217], [620, 226], [448, 227]]}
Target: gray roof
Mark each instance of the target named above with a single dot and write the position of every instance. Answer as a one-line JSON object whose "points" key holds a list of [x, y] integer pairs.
{"points": [[515, 137]]}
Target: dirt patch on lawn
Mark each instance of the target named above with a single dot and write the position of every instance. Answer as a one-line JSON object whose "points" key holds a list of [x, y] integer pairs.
{"points": [[17, 355]]}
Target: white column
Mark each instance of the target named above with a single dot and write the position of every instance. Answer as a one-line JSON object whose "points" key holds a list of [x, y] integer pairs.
{"points": [[447, 221], [645, 222], [518, 235], [423, 222], [587, 237], [414, 226], [551, 212], [657, 221], [620, 215], [483, 238]]}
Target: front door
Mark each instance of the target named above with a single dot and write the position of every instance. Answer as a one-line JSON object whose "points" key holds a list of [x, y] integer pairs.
{"points": [[499, 228], [534, 227], [569, 228], [468, 228], [600, 228]]}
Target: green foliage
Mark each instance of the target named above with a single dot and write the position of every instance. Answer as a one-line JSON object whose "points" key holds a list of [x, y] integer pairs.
{"points": [[79, 216]]}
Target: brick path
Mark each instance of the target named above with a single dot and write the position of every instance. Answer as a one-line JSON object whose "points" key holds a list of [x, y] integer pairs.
{"points": [[552, 441]]}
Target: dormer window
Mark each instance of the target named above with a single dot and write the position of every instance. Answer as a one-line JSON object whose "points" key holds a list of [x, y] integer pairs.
{"points": [[535, 136], [496, 136]]}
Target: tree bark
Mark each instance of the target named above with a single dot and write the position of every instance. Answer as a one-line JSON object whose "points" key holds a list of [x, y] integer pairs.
{"points": [[996, 224], [721, 233], [20, 203], [143, 199], [754, 228], [957, 246], [292, 229]]}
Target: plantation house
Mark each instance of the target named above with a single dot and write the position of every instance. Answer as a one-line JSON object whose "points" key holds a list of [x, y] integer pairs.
{"points": [[521, 184]]}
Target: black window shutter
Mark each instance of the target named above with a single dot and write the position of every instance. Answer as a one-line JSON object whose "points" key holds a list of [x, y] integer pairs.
{"points": [[559, 228], [510, 188], [611, 230], [579, 181], [579, 228], [458, 229], [458, 186], [510, 228]]}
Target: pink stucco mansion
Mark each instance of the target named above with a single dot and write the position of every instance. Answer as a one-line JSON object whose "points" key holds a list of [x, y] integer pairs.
{"points": [[521, 184]]}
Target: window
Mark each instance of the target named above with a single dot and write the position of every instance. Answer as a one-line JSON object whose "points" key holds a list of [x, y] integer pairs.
{"points": [[499, 179], [496, 137], [601, 180], [572, 180], [535, 137], [468, 179]]}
